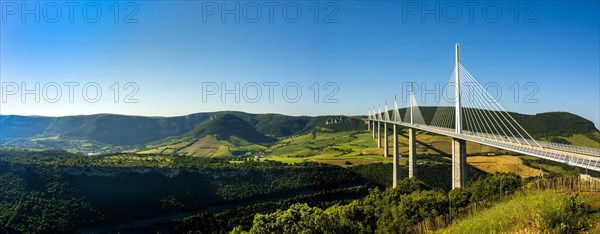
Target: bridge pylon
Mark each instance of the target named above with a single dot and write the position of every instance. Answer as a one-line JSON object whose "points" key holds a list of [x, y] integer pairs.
{"points": [[459, 147]]}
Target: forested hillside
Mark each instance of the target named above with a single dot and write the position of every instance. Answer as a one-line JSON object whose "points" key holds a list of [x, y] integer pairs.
{"points": [[111, 133], [55, 191], [104, 133]]}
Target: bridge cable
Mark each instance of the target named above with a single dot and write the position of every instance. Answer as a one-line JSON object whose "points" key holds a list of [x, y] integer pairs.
{"points": [[517, 123], [495, 105], [482, 115], [489, 104]]}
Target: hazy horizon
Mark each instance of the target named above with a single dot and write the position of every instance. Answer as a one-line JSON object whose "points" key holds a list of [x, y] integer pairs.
{"points": [[256, 113]]}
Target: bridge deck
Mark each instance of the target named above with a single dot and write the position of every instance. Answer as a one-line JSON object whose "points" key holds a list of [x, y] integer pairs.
{"points": [[583, 157]]}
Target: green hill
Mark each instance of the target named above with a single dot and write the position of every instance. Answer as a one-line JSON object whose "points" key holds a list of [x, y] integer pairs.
{"points": [[110, 133], [227, 134], [226, 126], [278, 125], [102, 128], [107, 132], [14, 126]]}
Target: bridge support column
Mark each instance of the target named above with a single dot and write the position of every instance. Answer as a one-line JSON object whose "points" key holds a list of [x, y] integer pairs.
{"points": [[396, 162], [368, 125], [459, 163], [412, 153], [378, 134], [373, 128], [386, 141]]}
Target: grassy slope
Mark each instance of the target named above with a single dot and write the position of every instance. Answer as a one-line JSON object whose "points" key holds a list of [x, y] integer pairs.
{"points": [[348, 148], [503, 163], [205, 146], [342, 148], [586, 140], [530, 213], [335, 148], [167, 148], [358, 146]]}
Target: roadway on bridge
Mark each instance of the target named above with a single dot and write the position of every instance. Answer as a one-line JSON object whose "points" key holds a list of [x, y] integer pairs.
{"points": [[588, 161]]}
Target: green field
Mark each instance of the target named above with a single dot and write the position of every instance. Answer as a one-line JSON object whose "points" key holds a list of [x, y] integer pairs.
{"points": [[346, 148], [350, 148], [358, 148], [335, 148], [355, 148]]}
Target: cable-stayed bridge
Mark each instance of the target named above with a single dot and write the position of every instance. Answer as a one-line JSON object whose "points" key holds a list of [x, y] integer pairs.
{"points": [[472, 115]]}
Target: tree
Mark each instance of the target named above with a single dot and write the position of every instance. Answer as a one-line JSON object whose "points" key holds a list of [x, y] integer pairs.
{"points": [[459, 198]]}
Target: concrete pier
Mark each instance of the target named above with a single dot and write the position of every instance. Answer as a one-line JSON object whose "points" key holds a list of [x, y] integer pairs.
{"points": [[412, 153], [459, 163], [378, 134], [396, 162], [385, 140], [373, 129]]}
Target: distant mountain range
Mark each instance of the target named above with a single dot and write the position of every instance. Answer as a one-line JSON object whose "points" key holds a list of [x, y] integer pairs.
{"points": [[111, 132], [108, 132]]}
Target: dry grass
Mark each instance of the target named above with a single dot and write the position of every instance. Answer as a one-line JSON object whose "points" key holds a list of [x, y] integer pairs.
{"points": [[371, 151], [504, 163], [203, 147]]}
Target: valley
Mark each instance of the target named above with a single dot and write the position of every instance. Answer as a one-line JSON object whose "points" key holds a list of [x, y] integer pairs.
{"points": [[299, 117], [224, 171]]}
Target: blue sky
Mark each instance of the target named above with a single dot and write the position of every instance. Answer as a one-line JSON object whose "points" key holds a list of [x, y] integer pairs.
{"points": [[359, 53]]}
